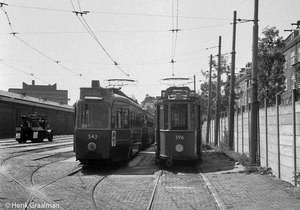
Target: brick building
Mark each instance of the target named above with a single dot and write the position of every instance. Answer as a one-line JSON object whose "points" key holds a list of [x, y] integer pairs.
{"points": [[292, 64], [46, 92]]}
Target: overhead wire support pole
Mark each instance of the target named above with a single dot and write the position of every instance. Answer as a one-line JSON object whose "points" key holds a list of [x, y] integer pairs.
{"points": [[209, 102], [254, 89], [217, 120], [232, 82]]}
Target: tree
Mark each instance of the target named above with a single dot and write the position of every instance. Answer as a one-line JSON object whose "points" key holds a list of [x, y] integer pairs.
{"points": [[270, 65], [224, 99]]}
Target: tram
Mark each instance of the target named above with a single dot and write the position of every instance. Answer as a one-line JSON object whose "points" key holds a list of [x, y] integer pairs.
{"points": [[147, 129], [178, 133], [108, 125]]}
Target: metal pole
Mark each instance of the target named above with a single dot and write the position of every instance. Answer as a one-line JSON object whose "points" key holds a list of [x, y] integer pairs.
{"points": [[217, 120], [237, 129], [278, 134], [232, 78], [266, 131], [195, 83], [294, 134], [242, 129], [157, 139], [254, 87], [209, 102]]}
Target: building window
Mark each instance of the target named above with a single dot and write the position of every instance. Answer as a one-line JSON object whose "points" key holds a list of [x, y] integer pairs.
{"points": [[293, 57], [285, 84], [285, 63], [298, 54]]}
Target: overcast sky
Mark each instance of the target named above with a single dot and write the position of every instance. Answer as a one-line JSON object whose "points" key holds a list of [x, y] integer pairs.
{"points": [[48, 43]]}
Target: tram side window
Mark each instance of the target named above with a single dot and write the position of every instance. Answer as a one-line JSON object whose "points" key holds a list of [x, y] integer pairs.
{"points": [[179, 117], [119, 118], [113, 119], [126, 118], [193, 116], [164, 117]]}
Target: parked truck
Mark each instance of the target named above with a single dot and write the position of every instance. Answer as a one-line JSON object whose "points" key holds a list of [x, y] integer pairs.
{"points": [[34, 127]]}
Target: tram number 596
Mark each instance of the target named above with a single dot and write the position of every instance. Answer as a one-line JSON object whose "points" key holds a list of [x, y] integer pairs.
{"points": [[179, 137]]}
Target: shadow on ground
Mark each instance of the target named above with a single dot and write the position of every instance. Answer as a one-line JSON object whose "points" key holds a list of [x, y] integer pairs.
{"points": [[218, 162]]}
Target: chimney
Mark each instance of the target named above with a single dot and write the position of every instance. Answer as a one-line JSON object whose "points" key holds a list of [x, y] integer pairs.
{"points": [[95, 83], [33, 82]]}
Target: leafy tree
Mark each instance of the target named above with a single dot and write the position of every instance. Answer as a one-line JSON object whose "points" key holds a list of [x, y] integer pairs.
{"points": [[270, 65], [224, 97]]}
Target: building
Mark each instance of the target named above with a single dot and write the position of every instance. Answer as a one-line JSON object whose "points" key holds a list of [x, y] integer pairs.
{"points": [[45, 92], [148, 103], [292, 64], [242, 86]]}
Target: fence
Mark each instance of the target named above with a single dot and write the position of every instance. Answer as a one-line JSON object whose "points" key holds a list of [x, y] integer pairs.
{"points": [[278, 137]]}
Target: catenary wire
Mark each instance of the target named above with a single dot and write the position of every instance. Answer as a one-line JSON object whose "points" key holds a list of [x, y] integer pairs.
{"points": [[121, 13], [15, 35], [90, 31], [23, 72]]}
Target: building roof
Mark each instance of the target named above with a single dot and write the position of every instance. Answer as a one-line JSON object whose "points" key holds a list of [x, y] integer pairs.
{"points": [[28, 100]]}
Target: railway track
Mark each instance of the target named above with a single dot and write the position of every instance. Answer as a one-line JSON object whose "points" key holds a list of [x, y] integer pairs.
{"points": [[212, 190], [96, 206], [174, 190], [38, 188], [149, 207], [138, 184], [17, 165]]}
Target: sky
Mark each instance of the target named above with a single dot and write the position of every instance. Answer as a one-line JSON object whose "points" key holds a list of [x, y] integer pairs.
{"points": [[58, 42]]}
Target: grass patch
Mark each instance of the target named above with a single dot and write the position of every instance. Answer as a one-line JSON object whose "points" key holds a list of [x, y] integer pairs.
{"points": [[242, 159]]}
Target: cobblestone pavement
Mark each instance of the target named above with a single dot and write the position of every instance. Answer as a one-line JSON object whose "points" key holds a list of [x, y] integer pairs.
{"points": [[137, 184], [238, 190]]}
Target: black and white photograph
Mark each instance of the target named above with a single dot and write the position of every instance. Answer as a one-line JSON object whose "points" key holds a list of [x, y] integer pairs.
{"points": [[149, 104]]}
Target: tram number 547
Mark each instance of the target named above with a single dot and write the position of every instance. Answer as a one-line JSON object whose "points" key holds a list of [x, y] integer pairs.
{"points": [[179, 137]]}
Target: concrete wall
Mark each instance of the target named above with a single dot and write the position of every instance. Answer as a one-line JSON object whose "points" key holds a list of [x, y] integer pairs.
{"points": [[276, 136]]}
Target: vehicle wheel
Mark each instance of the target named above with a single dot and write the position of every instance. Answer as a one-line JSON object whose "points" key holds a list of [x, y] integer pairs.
{"points": [[20, 141], [169, 163], [130, 153], [24, 140], [50, 138], [40, 137]]}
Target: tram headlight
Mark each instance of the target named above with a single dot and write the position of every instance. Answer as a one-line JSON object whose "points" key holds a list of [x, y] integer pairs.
{"points": [[91, 146], [179, 148]]}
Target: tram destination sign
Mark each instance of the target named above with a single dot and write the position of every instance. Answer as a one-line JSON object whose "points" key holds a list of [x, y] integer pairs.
{"points": [[96, 92]]}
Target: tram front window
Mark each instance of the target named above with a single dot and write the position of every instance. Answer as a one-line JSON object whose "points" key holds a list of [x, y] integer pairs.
{"points": [[179, 117], [93, 116]]}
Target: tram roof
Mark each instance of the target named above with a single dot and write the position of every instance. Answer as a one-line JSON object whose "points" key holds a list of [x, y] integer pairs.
{"points": [[178, 93], [32, 101], [106, 94]]}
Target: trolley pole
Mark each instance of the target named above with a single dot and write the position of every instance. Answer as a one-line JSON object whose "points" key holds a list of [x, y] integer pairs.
{"points": [[195, 84], [232, 82], [254, 89], [209, 102], [217, 120]]}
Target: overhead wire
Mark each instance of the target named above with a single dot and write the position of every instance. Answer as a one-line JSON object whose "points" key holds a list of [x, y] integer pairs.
{"points": [[121, 13], [79, 15], [24, 72], [35, 49]]}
